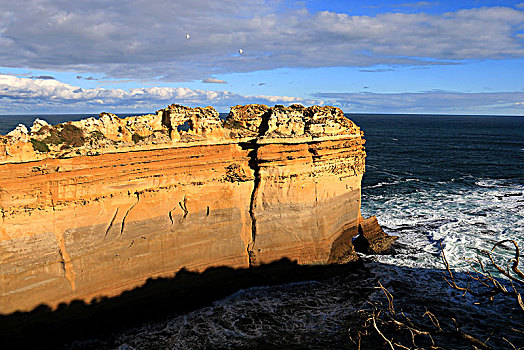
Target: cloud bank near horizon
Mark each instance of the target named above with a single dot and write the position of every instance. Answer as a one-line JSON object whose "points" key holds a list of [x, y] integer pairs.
{"points": [[146, 40], [26, 95], [434, 102], [19, 95]]}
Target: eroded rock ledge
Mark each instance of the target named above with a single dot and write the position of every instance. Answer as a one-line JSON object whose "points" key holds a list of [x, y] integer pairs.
{"points": [[95, 207]]}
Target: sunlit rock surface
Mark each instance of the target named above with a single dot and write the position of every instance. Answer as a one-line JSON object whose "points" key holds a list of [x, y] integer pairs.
{"points": [[95, 207]]}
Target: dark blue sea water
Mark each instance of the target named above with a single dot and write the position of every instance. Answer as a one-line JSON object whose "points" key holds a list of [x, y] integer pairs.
{"points": [[455, 179], [451, 180]]}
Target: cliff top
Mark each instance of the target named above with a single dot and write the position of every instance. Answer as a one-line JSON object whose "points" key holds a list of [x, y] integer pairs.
{"points": [[174, 125]]}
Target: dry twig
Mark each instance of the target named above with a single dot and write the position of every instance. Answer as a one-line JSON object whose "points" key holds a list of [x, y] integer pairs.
{"points": [[383, 322], [493, 286]]}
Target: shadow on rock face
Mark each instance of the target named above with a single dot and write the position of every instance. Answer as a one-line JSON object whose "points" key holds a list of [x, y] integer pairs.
{"points": [[155, 300], [288, 315]]}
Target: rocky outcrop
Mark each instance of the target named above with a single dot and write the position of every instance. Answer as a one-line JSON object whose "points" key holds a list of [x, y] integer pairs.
{"points": [[95, 207], [246, 120], [202, 123], [372, 239]]}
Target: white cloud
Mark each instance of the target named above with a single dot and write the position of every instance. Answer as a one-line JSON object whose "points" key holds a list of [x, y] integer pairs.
{"points": [[418, 4], [146, 39], [22, 94], [211, 80], [428, 102], [26, 95]]}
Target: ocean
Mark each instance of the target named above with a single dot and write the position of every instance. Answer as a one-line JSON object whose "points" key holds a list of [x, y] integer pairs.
{"points": [[432, 180]]}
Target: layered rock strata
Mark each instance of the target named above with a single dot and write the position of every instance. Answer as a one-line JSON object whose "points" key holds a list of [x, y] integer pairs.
{"points": [[95, 207]]}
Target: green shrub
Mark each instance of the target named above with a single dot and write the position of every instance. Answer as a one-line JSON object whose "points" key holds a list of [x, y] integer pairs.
{"points": [[67, 134], [54, 137], [39, 146], [43, 130], [137, 138], [72, 136], [97, 135], [233, 124]]}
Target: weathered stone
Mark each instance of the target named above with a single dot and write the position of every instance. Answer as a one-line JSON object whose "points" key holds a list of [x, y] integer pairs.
{"points": [[372, 239], [286, 121], [20, 132], [203, 122], [38, 124], [140, 199], [248, 117]]}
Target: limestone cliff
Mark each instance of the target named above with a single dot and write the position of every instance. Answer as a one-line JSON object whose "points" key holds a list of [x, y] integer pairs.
{"points": [[95, 207]]}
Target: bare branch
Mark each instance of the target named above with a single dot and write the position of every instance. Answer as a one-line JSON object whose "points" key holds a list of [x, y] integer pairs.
{"points": [[515, 261], [433, 319], [471, 339], [382, 335], [507, 341], [388, 295], [385, 321]]}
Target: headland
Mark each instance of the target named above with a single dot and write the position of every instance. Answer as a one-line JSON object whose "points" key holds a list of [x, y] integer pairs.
{"points": [[92, 208]]}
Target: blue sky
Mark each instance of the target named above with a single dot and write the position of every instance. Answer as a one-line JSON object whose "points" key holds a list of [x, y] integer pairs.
{"points": [[449, 57]]}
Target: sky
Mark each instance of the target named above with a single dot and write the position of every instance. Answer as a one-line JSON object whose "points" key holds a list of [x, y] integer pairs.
{"points": [[135, 56]]}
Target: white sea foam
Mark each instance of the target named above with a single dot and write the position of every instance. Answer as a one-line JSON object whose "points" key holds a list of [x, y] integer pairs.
{"points": [[381, 184], [465, 220], [275, 316], [489, 183]]}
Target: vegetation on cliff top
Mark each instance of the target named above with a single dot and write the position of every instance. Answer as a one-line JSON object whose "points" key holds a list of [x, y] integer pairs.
{"points": [[39, 146], [66, 135], [137, 138]]}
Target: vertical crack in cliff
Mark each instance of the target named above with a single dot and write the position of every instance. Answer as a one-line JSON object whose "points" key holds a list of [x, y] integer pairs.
{"points": [[52, 201], [183, 206], [111, 223], [127, 213], [314, 158], [171, 216], [254, 164]]}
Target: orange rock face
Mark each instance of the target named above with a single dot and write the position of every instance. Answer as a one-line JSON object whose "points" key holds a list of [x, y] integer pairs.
{"points": [[372, 239], [92, 220]]}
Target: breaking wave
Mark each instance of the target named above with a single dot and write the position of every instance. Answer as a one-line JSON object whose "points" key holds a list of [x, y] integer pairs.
{"points": [[464, 219]]}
